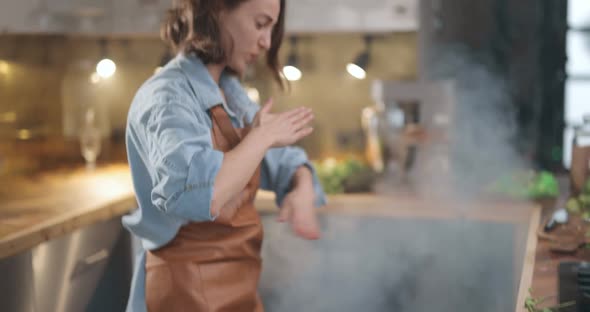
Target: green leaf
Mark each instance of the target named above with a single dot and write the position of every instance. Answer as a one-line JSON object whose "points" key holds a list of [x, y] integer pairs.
{"points": [[573, 206]]}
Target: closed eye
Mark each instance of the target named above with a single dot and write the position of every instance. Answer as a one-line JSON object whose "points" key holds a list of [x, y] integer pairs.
{"points": [[264, 21]]}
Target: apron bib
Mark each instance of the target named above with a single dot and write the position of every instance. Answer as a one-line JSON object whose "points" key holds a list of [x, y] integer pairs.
{"points": [[212, 266]]}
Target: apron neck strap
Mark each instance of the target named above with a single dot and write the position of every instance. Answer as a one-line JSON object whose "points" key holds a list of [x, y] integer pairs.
{"points": [[221, 118]]}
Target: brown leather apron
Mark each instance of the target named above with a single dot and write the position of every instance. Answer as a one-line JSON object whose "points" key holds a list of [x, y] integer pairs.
{"points": [[212, 266]]}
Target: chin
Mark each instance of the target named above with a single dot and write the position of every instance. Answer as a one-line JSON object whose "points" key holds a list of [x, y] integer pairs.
{"points": [[238, 69]]}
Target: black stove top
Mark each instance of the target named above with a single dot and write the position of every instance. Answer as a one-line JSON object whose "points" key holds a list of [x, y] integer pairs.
{"points": [[568, 286]]}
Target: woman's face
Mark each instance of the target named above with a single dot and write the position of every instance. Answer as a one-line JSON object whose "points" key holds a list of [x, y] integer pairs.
{"points": [[246, 31]]}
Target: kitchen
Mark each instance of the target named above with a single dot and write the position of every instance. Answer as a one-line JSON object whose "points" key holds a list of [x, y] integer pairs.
{"points": [[448, 147]]}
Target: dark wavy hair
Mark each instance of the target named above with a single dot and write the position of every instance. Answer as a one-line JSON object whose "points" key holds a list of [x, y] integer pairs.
{"points": [[192, 26]]}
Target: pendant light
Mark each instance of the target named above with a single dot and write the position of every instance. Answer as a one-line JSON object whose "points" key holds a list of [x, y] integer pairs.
{"points": [[106, 67], [291, 70], [358, 68]]}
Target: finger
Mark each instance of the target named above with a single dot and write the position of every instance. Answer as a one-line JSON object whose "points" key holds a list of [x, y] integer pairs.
{"points": [[299, 112], [294, 112], [306, 231], [300, 134], [306, 228], [299, 119], [298, 124], [284, 214], [267, 106]]}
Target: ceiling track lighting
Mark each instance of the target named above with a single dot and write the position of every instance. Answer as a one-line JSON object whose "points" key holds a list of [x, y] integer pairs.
{"points": [[291, 70], [358, 68], [105, 68]]}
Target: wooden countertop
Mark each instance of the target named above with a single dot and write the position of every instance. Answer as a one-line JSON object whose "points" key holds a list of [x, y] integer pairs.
{"points": [[544, 275], [39, 208]]}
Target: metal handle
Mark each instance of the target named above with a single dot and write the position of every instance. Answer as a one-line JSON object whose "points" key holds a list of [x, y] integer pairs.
{"points": [[86, 264]]}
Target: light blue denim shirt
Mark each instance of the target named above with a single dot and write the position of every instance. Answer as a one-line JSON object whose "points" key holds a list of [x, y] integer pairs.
{"points": [[173, 163]]}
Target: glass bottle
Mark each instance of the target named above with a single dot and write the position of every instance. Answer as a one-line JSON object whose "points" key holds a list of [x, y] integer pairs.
{"points": [[90, 139]]}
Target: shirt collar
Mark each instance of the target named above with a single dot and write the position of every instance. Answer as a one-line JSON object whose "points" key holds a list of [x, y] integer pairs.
{"points": [[207, 90]]}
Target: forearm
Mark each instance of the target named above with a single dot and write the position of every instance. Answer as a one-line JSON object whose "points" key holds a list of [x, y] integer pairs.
{"points": [[237, 168]]}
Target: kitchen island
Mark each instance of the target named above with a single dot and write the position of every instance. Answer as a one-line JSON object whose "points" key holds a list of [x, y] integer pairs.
{"points": [[38, 209]]}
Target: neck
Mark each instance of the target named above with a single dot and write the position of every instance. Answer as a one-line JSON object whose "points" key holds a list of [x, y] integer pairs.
{"points": [[215, 71]]}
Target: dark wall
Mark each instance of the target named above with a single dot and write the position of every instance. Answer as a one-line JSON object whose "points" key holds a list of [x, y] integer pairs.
{"points": [[551, 62], [523, 42]]}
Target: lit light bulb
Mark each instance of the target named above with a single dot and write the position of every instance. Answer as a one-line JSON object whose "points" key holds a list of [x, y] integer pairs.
{"points": [[106, 68], [292, 73], [356, 71]]}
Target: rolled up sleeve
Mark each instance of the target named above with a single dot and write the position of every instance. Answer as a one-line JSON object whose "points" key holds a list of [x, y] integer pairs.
{"points": [[185, 163], [277, 172]]}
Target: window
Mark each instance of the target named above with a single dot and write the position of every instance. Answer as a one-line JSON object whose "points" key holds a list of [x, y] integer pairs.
{"points": [[577, 86]]}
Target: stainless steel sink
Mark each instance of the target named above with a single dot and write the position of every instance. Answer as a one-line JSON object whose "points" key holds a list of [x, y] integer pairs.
{"points": [[376, 264]]}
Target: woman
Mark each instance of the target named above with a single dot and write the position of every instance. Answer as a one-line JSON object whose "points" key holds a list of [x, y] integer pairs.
{"points": [[199, 149]]}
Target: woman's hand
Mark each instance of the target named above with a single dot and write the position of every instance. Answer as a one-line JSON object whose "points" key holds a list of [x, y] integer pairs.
{"points": [[299, 211], [285, 128]]}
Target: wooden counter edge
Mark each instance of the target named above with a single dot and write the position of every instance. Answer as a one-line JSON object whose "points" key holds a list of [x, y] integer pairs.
{"points": [[528, 267], [69, 222], [62, 225]]}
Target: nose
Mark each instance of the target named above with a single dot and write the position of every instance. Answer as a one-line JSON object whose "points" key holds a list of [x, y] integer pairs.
{"points": [[265, 40]]}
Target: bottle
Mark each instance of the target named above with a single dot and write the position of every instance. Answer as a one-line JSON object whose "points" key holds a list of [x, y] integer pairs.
{"points": [[90, 139], [580, 168], [373, 150]]}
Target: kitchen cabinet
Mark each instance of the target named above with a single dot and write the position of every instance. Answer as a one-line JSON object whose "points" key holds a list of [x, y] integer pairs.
{"points": [[63, 274], [142, 17]]}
